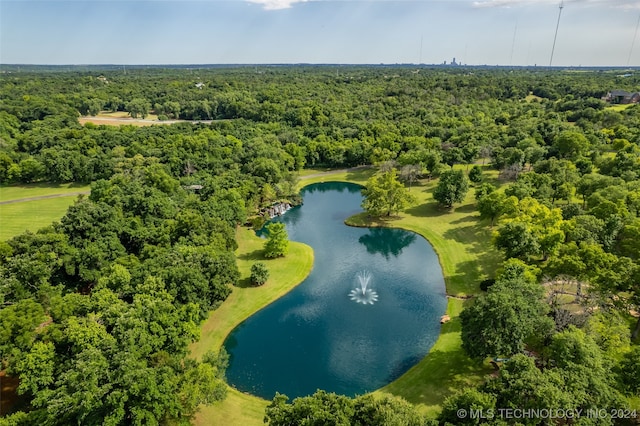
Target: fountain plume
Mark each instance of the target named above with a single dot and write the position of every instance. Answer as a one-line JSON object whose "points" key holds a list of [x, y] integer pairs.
{"points": [[363, 278], [363, 294]]}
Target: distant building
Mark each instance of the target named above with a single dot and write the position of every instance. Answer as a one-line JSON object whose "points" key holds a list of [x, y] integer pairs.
{"points": [[200, 85], [622, 97], [193, 187]]}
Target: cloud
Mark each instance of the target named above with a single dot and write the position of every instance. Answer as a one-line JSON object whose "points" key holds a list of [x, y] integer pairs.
{"points": [[511, 3], [627, 4], [496, 3], [276, 4], [617, 4]]}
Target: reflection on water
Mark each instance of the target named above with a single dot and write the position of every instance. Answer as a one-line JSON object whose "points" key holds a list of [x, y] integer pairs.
{"points": [[387, 241]]}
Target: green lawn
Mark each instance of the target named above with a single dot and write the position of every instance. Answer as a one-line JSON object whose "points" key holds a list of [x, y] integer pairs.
{"points": [[619, 107], [284, 274], [307, 172], [358, 176], [31, 215], [16, 192], [238, 409], [463, 245], [15, 218]]}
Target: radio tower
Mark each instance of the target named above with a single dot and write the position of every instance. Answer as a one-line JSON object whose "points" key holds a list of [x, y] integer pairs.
{"points": [[633, 41], [556, 35]]}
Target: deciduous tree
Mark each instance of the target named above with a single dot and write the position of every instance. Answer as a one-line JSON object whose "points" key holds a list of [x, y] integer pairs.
{"points": [[452, 188], [475, 174], [323, 408], [384, 195], [138, 107], [629, 371], [259, 273], [492, 205], [410, 173], [571, 144], [516, 240], [502, 321], [277, 243]]}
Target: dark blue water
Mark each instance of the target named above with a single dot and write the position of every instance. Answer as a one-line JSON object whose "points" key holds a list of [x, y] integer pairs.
{"points": [[316, 337]]}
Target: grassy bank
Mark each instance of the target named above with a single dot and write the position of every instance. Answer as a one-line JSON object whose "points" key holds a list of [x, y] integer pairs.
{"points": [[463, 244], [445, 370], [310, 176], [245, 300]]}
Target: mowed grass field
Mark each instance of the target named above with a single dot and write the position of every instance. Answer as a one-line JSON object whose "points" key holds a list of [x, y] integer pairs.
{"points": [[32, 214], [19, 192], [463, 244]]}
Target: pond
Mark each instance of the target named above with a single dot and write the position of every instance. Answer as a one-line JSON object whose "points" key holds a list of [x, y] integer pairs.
{"points": [[369, 310]]}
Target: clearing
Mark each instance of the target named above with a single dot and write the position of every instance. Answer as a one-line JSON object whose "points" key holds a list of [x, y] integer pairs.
{"points": [[34, 206]]}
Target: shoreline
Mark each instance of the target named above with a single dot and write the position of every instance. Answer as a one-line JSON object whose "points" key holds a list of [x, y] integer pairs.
{"points": [[446, 343]]}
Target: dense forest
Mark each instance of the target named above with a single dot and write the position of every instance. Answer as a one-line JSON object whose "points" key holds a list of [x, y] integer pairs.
{"points": [[99, 308]]}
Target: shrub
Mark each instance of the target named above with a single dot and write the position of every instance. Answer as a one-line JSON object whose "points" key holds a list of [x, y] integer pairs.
{"points": [[475, 174], [259, 273]]}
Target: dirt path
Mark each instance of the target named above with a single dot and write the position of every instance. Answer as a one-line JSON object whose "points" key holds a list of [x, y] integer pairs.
{"points": [[116, 121], [334, 172], [44, 197]]}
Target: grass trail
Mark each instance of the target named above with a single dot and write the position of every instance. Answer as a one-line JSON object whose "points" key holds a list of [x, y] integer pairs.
{"points": [[16, 192]]}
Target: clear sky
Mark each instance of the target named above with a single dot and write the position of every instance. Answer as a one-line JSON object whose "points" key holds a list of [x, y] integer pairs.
{"points": [[475, 32]]}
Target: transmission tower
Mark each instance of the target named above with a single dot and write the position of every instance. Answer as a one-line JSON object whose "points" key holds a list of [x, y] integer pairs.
{"points": [[633, 41], [556, 34]]}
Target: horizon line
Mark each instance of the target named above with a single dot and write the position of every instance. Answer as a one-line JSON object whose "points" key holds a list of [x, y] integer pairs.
{"points": [[280, 64]]}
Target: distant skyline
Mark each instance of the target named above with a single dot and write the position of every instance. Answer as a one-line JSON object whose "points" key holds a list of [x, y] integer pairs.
{"points": [[481, 32]]}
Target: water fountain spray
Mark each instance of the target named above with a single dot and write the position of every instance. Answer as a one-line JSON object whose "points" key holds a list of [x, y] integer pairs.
{"points": [[363, 294]]}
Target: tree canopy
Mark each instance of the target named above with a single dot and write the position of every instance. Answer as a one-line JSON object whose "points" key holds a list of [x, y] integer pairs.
{"points": [[500, 323], [452, 188], [277, 243], [385, 194], [329, 408]]}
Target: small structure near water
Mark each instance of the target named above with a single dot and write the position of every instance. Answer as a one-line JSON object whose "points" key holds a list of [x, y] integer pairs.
{"points": [[277, 209]]}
